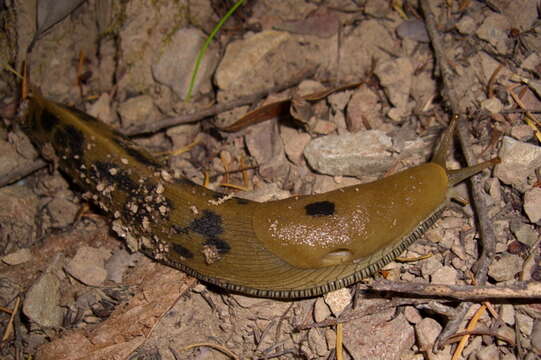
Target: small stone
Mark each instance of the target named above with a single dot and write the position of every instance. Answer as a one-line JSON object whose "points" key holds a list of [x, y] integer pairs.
{"points": [[489, 352], [524, 323], [366, 152], [173, 65], [294, 143], [445, 275], [317, 341], [88, 265], [519, 161], [321, 310], [466, 25], [507, 313], [431, 265], [137, 110], [493, 105], [396, 77], [524, 233], [505, 268], [322, 127], [412, 315], [364, 110], [506, 332], [63, 211], [532, 204], [536, 336], [427, 331], [42, 301], [339, 100], [18, 257], [338, 300], [473, 347], [495, 29], [376, 338], [330, 336], [531, 62], [414, 29], [101, 109], [522, 132]]}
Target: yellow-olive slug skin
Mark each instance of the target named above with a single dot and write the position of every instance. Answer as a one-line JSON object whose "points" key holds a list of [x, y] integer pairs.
{"points": [[298, 247]]}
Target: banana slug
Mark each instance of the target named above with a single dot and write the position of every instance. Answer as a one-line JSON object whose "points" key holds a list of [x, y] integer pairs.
{"points": [[302, 246]]}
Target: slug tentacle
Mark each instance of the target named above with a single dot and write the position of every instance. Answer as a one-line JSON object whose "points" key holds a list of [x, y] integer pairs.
{"points": [[297, 247]]}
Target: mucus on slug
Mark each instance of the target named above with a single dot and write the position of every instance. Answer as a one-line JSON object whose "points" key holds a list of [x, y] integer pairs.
{"points": [[297, 247]]}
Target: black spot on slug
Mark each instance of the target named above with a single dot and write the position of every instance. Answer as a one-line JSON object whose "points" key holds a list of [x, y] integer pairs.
{"points": [[75, 139], [320, 208], [209, 224], [182, 251], [48, 121], [220, 245]]}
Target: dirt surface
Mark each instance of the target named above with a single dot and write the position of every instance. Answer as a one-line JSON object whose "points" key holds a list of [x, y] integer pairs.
{"points": [[70, 289]]}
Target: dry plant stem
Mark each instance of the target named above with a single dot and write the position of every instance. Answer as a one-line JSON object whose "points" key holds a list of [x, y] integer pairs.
{"points": [[151, 127], [488, 238], [21, 171], [471, 326], [522, 290]]}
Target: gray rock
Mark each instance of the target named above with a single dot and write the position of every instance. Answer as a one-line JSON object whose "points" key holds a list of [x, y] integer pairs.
{"points": [[427, 330], [294, 143], [489, 352], [18, 257], [495, 30], [17, 216], [377, 338], [364, 110], [173, 66], [536, 336], [396, 77], [252, 64], [507, 313], [137, 110], [524, 323], [466, 25], [42, 301], [321, 310], [532, 204], [522, 132], [525, 233], [445, 275], [360, 154], [63, 211], [505, 268], [88, 265], [338, 300], [414, 29], [519, 161]]}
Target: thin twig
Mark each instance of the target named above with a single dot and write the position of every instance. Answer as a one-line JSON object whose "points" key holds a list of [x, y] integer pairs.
{"points": [[488, 238], [151, 127], [521, 290]]}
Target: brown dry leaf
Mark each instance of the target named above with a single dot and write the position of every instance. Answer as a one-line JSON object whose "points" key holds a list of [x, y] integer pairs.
{"points": [[129, 325], [280, 108]]}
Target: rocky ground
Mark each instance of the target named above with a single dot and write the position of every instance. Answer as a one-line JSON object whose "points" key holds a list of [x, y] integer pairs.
{"points": [[71, 290]]}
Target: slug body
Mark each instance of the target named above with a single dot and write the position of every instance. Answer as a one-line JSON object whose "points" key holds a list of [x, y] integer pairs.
{"points": [[298, 247]]}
